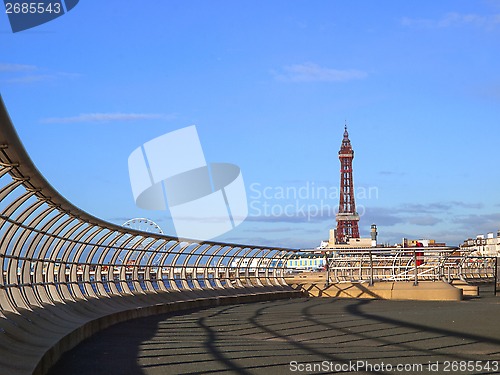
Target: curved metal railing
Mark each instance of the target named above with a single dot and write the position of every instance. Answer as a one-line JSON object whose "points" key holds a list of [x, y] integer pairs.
{"points": [[52, 253]]}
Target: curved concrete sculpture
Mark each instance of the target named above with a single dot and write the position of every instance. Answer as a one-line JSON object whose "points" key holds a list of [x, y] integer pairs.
{"points": [[67, 274]]}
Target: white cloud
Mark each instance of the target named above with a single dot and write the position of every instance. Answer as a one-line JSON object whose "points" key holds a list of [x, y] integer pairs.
{"points": [[32, 78], [454, 19], [427, 220], [391, 173], [478, 223], [17, 67], [27, 74], [437, 207], [304, 214], [310, 72], [106, 117]]}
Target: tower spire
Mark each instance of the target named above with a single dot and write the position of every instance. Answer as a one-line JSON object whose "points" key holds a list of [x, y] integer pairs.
{"points": [[347, 217]]}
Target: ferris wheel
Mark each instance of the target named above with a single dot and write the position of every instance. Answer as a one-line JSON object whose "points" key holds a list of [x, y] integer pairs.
{"points": [[143, 225]]}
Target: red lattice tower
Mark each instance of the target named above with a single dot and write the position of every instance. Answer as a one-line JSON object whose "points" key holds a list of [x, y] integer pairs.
{"points": [[347, 217]]}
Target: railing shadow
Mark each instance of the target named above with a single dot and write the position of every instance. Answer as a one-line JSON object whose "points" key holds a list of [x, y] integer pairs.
{"points": [[266, 337]]}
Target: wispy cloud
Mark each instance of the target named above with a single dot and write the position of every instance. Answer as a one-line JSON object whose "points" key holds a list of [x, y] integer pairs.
{"points": [[310, 72], [304, 215], [382, 216], [17, 67], [416, 214], [436, 207], [422, 221], [426, 220], [28, 74], [272, 230], [106, 117], [409, 213], [478, 223], [283, 242], [454, 19], [391, 173], [32, 78]]}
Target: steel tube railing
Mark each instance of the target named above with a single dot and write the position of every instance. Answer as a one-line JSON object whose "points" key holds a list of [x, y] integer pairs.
{"points": [[52, 252], [408, 264]]}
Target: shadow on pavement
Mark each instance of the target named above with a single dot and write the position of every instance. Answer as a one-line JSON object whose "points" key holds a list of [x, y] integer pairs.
{"points": [[273, 337]]}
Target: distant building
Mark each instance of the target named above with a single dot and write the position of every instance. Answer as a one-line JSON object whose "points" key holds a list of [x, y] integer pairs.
{"points": [[306, 262], [481, 246], [351, 243], [425, 242]]}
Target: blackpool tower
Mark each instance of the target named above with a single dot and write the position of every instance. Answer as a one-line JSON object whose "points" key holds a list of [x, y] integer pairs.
{"points": [[347, 217]]}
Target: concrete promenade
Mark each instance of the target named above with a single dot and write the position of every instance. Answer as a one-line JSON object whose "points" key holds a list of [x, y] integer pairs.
{"points": [[266, 337]]}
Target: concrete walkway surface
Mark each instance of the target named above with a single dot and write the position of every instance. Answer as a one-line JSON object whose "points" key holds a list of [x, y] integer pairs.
{"points": [[301, 336]]}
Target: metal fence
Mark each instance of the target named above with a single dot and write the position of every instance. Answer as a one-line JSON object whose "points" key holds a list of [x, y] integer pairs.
{"points": [[409, 264]]}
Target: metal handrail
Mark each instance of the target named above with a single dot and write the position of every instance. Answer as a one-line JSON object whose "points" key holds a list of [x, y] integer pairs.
{"points": [[406, 264]]}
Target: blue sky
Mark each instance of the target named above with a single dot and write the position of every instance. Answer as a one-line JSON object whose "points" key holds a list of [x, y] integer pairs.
{"points": [[270, 85]]}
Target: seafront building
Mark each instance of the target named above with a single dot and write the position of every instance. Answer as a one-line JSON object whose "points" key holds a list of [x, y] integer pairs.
{"points": [[482, 246], [350, 243], [426, 242], [308, 261]]}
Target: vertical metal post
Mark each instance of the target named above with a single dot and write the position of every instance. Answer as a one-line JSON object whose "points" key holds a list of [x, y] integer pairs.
{"points": [[415, 283], [496, 276], [371, 267], [440, 269], [327, 265]]}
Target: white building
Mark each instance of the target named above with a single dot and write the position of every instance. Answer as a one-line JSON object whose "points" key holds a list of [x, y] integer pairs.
{"points": [[483, 246], [305, 262]]}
